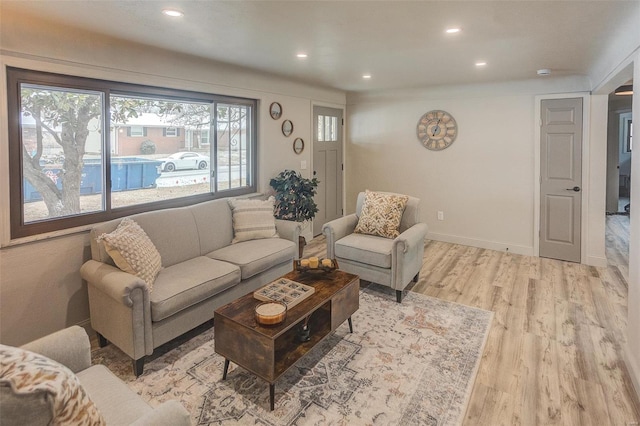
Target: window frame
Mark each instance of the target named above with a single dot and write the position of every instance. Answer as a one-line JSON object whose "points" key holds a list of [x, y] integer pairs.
{"points": [[18, 76]]}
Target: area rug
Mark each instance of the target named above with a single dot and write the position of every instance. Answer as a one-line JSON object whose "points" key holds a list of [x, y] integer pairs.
{"points": [[405, 364]]}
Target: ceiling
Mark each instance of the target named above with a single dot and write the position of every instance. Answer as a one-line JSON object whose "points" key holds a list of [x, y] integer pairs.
{"points": [[400, 44]]}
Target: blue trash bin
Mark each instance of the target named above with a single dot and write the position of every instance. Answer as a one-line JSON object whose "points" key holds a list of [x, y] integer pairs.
{"points": [[127, 173]]}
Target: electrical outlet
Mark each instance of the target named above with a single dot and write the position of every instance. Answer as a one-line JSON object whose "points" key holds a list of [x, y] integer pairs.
{"points": [[440, 215]]}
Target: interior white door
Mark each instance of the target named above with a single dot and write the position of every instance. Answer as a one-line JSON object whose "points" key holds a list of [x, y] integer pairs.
{"points": [[561, 178], [327, 164]]}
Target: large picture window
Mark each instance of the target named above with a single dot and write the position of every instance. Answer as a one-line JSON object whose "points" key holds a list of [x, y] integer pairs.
{"points": [[84, 151]]}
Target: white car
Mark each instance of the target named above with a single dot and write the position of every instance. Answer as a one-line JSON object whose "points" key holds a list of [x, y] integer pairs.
{"points": [[184, 161]]}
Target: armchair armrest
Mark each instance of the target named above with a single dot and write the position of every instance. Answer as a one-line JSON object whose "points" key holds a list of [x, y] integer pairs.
{"points": [[336, 229], [169, 413], [70, 347], [411, 237], [112, 281], [288, 229]]}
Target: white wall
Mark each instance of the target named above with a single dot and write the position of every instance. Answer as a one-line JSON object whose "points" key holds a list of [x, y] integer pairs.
{"points": [[40, 286], [484, 182]]}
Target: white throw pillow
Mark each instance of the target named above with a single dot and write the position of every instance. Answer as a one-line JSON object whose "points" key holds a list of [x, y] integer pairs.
{"points": [[253, 219], [133, 251], [31, 374]]}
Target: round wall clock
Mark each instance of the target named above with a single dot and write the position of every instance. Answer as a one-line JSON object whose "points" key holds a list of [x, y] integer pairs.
{"points": [[437, 130]]}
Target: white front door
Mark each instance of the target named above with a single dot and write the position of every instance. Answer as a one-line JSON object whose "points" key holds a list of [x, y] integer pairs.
{"points": [[327, 165], [561, 178]]}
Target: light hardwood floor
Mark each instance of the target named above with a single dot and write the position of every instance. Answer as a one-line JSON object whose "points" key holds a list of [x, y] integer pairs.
{"points": [[554, 352]]}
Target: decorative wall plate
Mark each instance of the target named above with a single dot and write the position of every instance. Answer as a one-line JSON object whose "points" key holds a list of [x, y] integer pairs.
{"points": [[287, 128], [275, 110], [437, 130], [298, 145]]}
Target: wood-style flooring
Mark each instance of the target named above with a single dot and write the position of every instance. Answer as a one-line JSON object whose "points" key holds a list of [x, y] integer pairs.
{"points": [[554, 352]]}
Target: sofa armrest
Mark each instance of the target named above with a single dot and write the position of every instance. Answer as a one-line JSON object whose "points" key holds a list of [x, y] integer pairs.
{"points": [[410, 237], [120, 306], [112, 281], [288, 229], [336, 229], [70, 347], [169, 413]]}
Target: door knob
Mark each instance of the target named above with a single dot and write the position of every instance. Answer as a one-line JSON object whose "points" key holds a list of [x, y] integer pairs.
{"points": [[575, 189], [314, 172]]}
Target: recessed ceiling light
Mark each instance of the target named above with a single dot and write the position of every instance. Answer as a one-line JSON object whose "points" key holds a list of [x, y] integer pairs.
{"points": [[453, 30], [366, 76], [174, 13], [481, 64], [543, 72], [302, 55]]}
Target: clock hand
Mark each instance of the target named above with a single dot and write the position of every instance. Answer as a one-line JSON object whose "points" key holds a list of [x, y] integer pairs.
{"points": [[436, 128]]}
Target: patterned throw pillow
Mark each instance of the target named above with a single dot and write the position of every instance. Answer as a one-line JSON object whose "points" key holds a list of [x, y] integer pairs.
{"points": [[381, 214], [28, 373], [133, 251], [253, 219]]}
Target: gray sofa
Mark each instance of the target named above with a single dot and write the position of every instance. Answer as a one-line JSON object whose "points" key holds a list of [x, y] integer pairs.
{"points": [[202, 270], [117, 403]]}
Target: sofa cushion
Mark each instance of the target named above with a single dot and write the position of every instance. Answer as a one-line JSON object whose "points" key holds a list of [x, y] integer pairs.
{"points": [[174, 233], [214, 221], [118, 403], [133, 251], [187, 283], [381, 214], [256, 256], [253, 219], [42, 389], [364, 248]]}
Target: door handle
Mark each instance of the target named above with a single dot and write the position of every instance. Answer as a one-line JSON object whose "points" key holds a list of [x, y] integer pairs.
{"points": [[314, 172], [575, 189]]}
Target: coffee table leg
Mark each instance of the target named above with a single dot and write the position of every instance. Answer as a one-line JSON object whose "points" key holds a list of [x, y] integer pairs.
{"points": [[226, 368], [272, 392], [350, 325]]}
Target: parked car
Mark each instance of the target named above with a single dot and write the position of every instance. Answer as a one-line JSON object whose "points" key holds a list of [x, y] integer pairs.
{"points": [[184, 161]]}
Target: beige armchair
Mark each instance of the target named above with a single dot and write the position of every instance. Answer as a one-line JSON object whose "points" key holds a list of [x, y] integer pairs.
{"points": [[390, 262], [116, 402]]}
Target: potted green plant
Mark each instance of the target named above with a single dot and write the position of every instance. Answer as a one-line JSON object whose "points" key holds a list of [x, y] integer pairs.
{"points": [[294, 199]]}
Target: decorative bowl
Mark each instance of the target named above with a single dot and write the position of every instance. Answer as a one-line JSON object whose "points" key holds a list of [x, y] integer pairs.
{"points": [[271, 312]]}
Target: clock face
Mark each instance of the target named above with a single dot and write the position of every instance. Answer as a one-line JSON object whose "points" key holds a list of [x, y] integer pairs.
{"points": [[437, 130]]}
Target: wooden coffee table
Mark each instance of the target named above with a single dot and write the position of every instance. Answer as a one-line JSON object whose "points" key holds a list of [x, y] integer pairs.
{"points": [[269, 351]]}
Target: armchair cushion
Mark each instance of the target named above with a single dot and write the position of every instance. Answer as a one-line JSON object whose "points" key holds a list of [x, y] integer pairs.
{"points": [[119, 404], [381, 214], [367, 249], [133, 251], [36, 388]]}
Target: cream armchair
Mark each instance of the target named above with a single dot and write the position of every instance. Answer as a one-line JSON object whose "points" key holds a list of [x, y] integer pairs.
{"points": [[116, 402], [391, 262]]}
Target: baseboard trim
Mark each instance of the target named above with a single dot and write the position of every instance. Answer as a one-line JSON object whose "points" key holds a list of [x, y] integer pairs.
{"points": [[492, 245], [632, 368], [596, 261]]}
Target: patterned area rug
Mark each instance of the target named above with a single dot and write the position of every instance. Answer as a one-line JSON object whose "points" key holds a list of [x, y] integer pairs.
{"points": [[405, 364]]}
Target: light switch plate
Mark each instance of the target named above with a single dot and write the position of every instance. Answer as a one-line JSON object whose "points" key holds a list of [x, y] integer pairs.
{"points": [[303, 165]]}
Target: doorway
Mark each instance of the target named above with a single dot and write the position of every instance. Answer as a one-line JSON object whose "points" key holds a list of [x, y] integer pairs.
{"points": [[618, 187], [327, 164]]}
